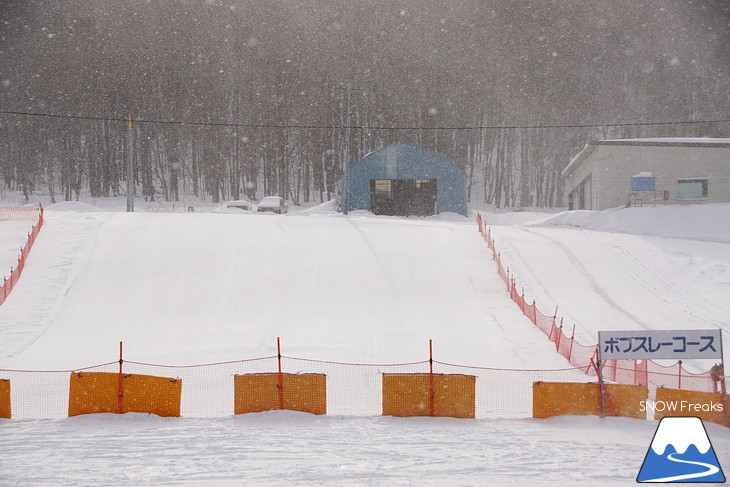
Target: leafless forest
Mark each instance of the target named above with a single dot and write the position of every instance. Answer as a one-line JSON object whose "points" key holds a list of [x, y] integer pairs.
{"points": [[241, 98]]}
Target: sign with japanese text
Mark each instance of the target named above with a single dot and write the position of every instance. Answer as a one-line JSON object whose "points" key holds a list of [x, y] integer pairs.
{"points": [[660, 344]]}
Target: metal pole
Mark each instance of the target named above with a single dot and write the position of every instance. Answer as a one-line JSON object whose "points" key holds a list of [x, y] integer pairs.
{"points": [[599, 371], [280, 379], [346, 161], [130, 166], [431, 392], [120, 383]]}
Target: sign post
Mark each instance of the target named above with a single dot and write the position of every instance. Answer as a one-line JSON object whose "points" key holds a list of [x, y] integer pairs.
{"points": [[662, 344]]}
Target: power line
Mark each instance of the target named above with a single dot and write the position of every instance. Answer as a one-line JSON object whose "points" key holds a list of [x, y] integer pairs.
{"points": [[358, 127], [52, 115]]}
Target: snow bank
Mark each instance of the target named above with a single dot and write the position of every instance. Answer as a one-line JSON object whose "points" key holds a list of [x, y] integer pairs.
{"points": [[709, 222], [76, 206], [327, 208]]}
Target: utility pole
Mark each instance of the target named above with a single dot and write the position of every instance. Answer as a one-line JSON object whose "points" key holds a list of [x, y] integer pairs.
{"points": [[130, 166], [346, 157]]}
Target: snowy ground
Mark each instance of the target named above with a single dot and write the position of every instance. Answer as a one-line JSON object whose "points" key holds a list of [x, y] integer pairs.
{"points": [[286, 448], [624, 269], [209, 287], [13, 236], [190, 288]]}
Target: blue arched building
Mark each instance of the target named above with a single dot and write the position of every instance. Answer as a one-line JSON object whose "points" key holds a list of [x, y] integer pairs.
{"points": [[406, 179]]}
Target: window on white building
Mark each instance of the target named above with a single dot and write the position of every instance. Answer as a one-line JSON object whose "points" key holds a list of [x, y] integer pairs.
{"points": [[692, 189]]}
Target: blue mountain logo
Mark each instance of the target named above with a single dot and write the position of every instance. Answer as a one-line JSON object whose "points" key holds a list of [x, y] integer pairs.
{"points": [[681, 452]]}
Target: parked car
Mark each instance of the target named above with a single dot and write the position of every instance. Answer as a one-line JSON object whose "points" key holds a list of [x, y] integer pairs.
{"points": [[274, 204], [241, 204]]}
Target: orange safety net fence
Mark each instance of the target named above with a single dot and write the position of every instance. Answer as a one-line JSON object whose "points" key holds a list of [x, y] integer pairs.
{"points": [[639, 372], [427, 388], [20, 213], [450, 395], [107, 392], [23, 213], [318, 387], [258, 392]]}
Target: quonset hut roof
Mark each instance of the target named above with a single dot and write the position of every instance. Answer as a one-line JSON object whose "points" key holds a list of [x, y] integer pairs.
{"points": [[404, 161]]}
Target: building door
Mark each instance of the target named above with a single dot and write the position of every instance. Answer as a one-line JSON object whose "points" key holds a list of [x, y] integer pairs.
{"points": [[403, 196]]}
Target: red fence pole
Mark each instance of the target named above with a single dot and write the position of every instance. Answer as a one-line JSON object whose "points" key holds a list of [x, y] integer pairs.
{"points": [[552, 325], [430, 379], [280, 384], [120, 384], [679, 374], [572, 339], [560, 337]]}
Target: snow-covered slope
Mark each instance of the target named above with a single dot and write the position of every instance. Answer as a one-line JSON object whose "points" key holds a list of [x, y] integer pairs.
{"points": [[205, 287], [622, 269], [390, 284], [13, 235]]}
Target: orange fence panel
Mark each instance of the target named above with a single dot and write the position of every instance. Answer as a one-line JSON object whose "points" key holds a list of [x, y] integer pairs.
{"points": [[410, 395], [625, 400], [93, 392], [5, 410], [255, 393], [708, 406], [559, 398], [98, 392], [150, 394]]}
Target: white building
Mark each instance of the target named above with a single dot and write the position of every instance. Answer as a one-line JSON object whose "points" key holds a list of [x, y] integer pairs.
{"points": [[611, 173]]}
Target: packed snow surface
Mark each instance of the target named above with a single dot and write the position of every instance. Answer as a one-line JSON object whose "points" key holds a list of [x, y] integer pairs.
{"points": [[13, 236], [665, 267], [187, 288], [190, 288], [282, 448]]}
